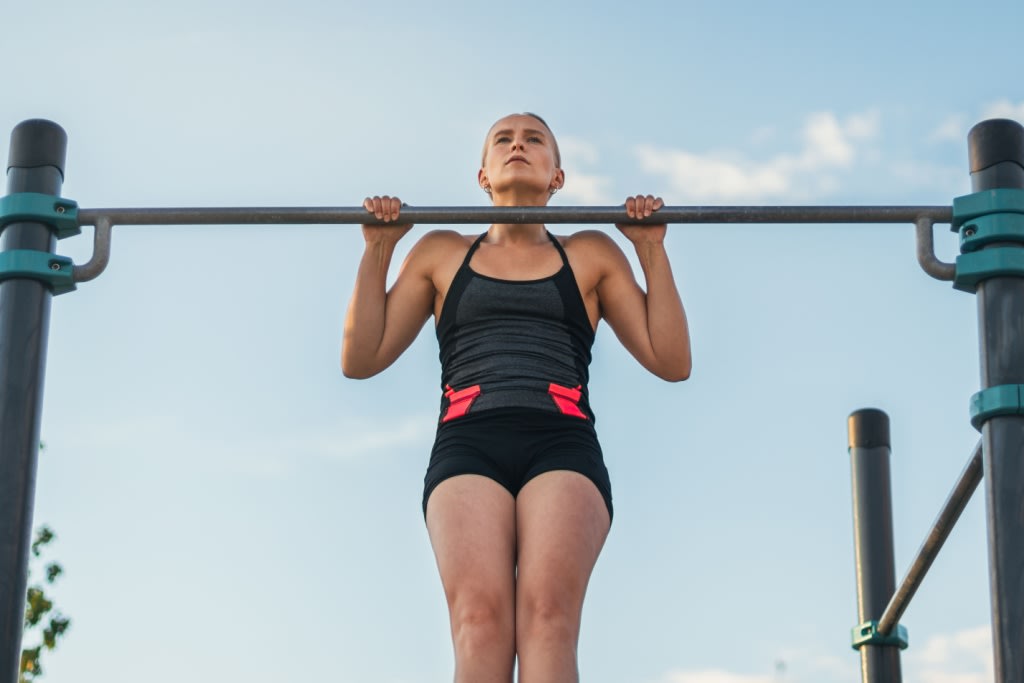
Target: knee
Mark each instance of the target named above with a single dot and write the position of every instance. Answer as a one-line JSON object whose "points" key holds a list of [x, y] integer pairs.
{"points": [[482, 625], [548, 620]]}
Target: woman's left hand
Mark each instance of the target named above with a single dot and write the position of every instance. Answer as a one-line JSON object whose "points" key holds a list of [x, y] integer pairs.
{"points": [[642, 206]]}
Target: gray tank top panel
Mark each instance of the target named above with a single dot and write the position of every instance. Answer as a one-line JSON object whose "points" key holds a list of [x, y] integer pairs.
{"points": [[514, 339]]}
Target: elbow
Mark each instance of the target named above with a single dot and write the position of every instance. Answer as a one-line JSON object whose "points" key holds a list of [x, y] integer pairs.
{"points": [[353, 370], [680, 376], [677, 373], [351, 373]]}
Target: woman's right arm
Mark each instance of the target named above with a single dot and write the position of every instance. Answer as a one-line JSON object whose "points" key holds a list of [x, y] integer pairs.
{"points": [[379, 324]]}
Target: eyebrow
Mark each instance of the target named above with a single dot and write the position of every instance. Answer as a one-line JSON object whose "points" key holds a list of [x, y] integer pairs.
{"points": [[507, 131]]}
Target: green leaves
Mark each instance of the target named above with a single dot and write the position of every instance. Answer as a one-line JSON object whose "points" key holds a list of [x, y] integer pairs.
{"points": [[38, 608]]}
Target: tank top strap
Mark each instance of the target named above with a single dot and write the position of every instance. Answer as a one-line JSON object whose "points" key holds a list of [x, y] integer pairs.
{"points": [[561, 252], [472, 250]]}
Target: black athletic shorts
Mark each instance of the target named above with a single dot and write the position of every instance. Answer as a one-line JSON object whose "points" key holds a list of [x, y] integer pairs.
{"points": [[514, 446]]}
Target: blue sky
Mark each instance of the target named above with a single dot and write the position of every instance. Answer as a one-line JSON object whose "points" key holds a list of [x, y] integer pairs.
{"points": [[229, 507]]}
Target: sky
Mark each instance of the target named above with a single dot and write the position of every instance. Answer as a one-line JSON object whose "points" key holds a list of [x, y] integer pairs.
{"points": [[229, 507]]}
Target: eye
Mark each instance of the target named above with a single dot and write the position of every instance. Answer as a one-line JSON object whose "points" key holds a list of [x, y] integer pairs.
{"points": [[535, 138], [502, 138]]}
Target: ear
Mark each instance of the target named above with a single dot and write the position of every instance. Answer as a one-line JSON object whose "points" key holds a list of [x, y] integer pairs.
{"points": [[481, 179], [558, 180]]}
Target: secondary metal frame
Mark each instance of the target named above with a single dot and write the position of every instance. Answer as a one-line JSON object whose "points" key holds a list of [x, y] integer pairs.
{"points": [[36, 165]]}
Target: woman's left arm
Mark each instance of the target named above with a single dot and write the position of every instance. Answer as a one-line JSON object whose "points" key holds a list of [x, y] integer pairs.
{"points": [[652, 324]]}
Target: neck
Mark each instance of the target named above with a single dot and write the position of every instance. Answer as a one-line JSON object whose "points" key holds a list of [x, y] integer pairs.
{"points": [[517, 233], [523, 233], [520, 196]]}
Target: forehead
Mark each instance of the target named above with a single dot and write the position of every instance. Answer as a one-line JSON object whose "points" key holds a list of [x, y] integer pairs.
{"points": [[518, 122]]}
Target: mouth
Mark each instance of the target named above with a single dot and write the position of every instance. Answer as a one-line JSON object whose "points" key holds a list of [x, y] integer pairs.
{"points": [[516, 158]]}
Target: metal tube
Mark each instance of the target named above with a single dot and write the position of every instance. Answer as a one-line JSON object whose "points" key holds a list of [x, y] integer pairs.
{"points": [[997, 161], [943, 525], [926, 252], [872, 536], [100, 253], [530, 214], [36, 165]]}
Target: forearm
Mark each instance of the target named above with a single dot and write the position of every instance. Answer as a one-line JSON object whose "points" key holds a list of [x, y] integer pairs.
{"points": [[367, 309], [666, 319]]}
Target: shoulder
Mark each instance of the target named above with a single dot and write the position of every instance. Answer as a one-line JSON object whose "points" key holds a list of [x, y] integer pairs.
{"points": [[441, 243], [592, 246], [437, 252], [595, 240]]}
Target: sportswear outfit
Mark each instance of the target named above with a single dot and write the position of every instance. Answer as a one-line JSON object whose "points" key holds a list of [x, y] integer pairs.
{"points": [[514, 368]]}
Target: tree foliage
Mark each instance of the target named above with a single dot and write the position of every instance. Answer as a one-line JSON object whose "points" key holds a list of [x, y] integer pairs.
{"points": [[41, 620]]}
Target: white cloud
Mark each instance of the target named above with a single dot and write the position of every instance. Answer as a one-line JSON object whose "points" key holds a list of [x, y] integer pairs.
{"points": [[258, 453], [864, 126], [961, 657], [581, 187], [952, 129], [1004, 109], [584, 188], [579, 150], [828, 143]]}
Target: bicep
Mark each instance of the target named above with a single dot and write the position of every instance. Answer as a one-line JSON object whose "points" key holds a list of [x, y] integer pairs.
{"points": [[408, 305], [624, 306]]}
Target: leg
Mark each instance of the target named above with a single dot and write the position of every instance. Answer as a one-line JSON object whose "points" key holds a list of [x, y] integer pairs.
{"points": [[563, 522], [472, 526]]}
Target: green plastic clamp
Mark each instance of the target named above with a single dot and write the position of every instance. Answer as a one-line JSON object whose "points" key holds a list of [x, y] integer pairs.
{"points": [[990, 228], [973, 267], [55, 271], [997, 401], [58, 213], [971, 206], [867, 634]]}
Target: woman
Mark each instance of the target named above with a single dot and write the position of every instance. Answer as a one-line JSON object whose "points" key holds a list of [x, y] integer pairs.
{"points": [[517, 500]]}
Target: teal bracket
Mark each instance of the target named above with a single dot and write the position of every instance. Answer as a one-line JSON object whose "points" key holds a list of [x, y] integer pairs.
{"points": [[971, 206], [867, 634], [53, 270], [976, 266], [998, 401], [60, 214], [986, 218]]}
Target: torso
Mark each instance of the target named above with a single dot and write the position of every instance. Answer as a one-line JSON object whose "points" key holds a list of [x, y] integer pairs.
{"points": [[515, 337], [516, 262]]}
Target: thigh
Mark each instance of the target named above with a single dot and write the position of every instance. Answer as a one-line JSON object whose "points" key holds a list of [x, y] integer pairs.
{"points": [[562, 524], [472, 526]]}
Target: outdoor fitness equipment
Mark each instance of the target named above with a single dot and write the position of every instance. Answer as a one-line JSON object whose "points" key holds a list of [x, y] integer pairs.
{"points": [[990, 221]]}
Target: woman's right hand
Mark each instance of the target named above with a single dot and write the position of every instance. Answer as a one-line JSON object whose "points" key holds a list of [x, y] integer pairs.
{"points": [[385, 209]]}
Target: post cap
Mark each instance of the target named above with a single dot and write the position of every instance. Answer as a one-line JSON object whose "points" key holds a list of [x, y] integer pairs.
{"points": [[995, 141], [868, 428], [38, 142]]}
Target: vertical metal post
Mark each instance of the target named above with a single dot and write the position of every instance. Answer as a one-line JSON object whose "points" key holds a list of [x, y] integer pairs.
{"points": [[36, 164], [872, 537], [997, 161]]}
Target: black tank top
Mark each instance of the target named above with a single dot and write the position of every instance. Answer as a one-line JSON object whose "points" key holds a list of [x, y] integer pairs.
{"points": [[514, 343]]}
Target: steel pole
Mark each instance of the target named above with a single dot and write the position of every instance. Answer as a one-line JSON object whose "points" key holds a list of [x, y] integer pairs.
{"points": [[36, 164], [997, 161], [872, 536], [937, 535]]}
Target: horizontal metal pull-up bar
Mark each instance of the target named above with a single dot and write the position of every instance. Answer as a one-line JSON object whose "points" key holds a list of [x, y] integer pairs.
{"points": [[524, 214], [924, 217]]}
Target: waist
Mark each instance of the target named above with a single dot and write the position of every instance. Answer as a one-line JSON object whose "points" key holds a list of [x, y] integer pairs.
{"points": [[461, 401]]}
